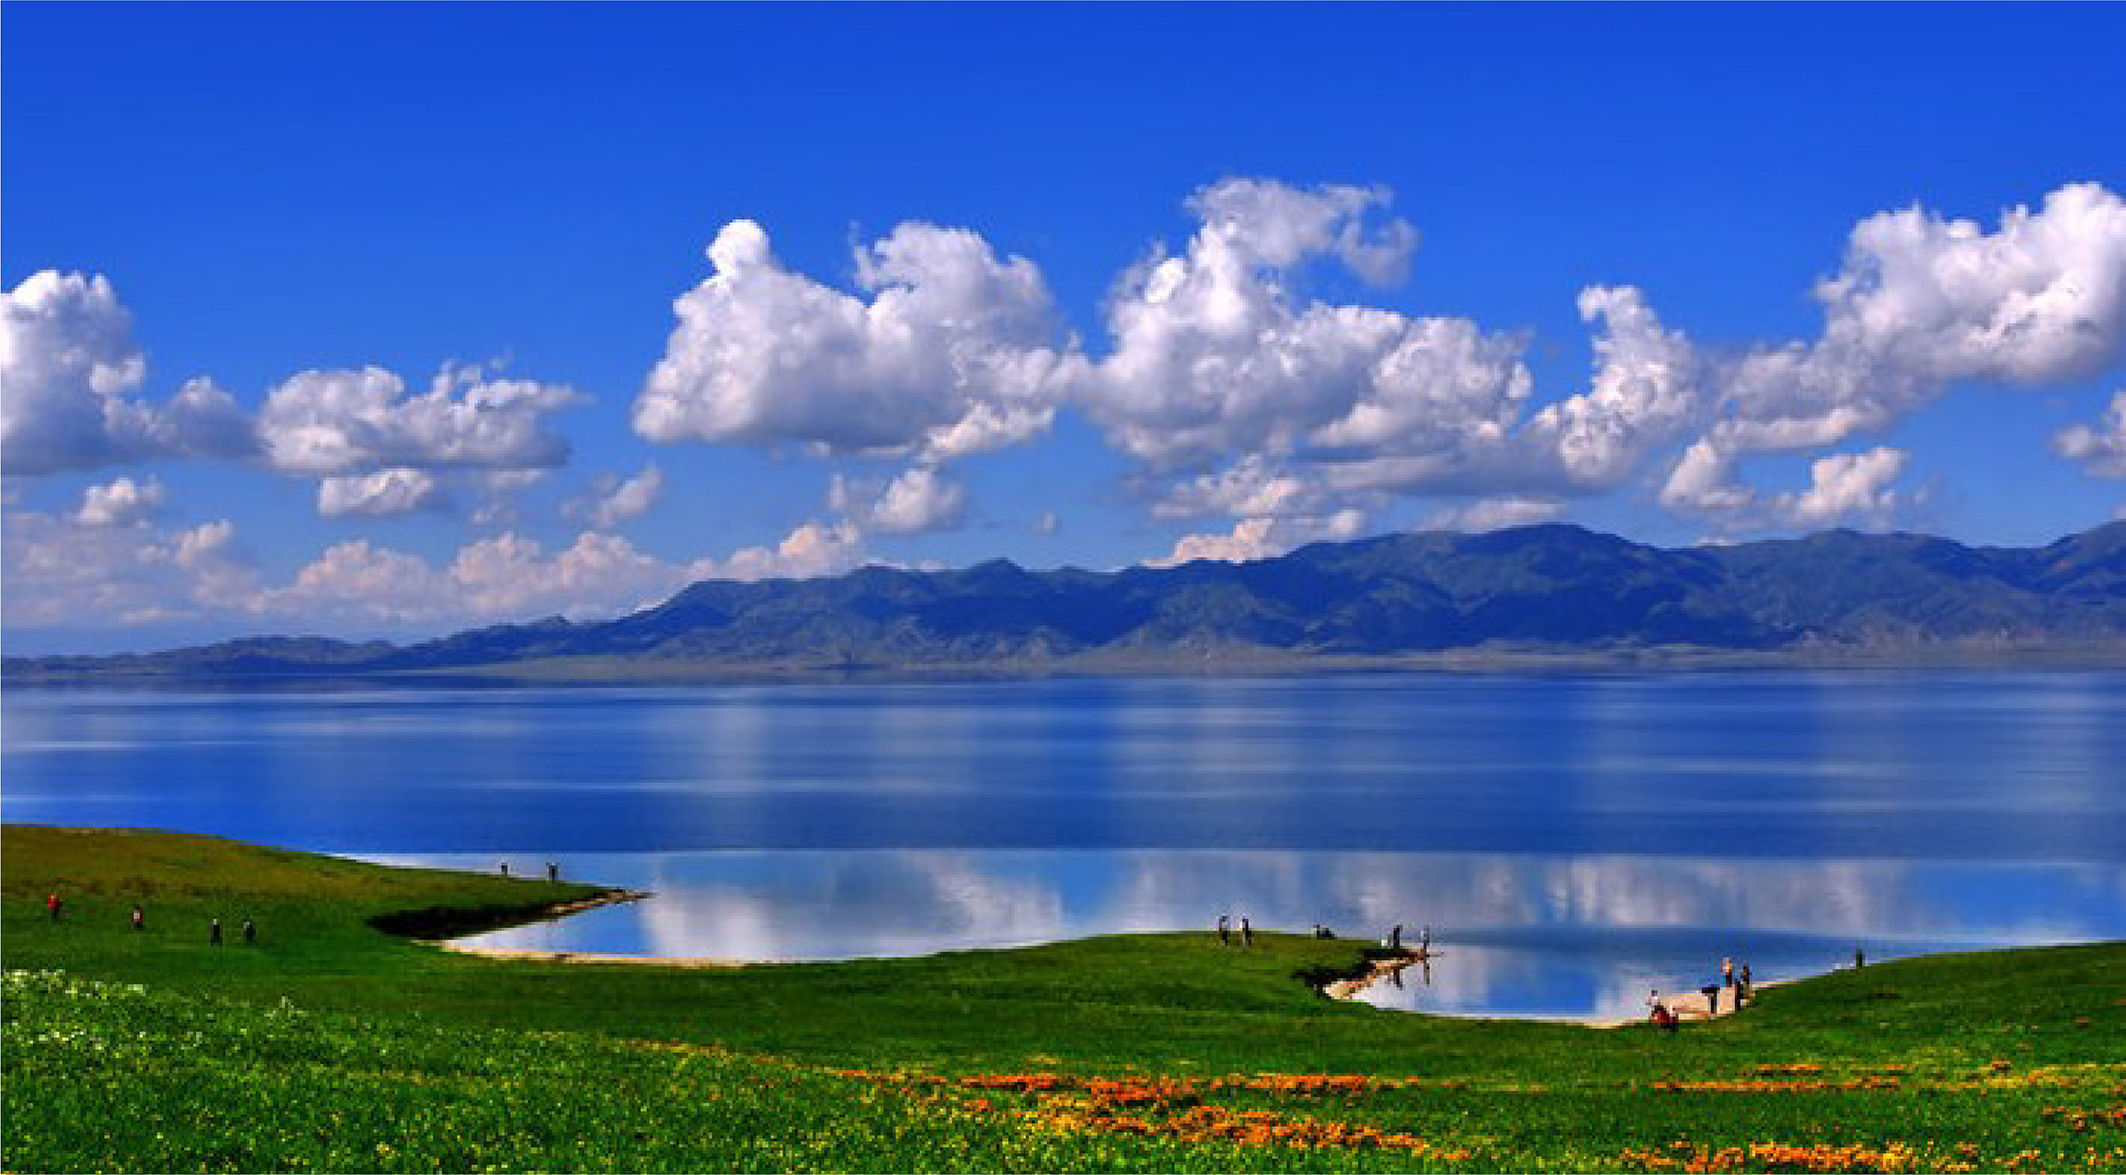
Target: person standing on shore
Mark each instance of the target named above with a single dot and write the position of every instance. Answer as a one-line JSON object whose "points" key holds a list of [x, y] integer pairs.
{"points": [[553, 872], [1247, 933], [1225, 931], [140, 918], [52, 904], [1727, 972], [214, 932], [1659, 1012], [1395, 937], [250, 932]]}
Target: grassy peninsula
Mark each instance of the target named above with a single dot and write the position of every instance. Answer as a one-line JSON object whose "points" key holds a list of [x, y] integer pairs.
{"points": [[331, 1045]]}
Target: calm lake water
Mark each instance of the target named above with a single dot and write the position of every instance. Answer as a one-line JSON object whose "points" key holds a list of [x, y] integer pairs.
{"points": [[1571, 840]]}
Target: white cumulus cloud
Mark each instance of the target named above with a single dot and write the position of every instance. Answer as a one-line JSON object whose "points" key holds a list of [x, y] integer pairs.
{"points": [[1243, 398], [1261, 538], [499, 492], [358, 580], [69, 374], [121, 502], [1214, 354], [1921, 301], [506, 577], [597, 575], [918, 500], [1648, 384], [1703, 479], [1282, 226], [947, 351], [2041, 298], [1846, 486], [1494, 514], [381, 494], [340, 422], [63, 570], [813, 549], [1254, 487], [2101, 449], [613, 500]]}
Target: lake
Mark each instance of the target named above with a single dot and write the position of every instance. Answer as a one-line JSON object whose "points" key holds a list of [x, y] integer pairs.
{"points": [[1571, 840]]}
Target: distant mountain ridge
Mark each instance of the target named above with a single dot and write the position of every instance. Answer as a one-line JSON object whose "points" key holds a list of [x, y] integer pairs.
{"points": [[1548, 589]]}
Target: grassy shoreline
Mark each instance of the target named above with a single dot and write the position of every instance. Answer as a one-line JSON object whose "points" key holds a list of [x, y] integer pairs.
{"points": [[1126, 1052]]}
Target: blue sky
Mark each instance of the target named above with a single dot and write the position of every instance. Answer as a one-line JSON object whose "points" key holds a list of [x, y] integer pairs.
{"points": [[1090, 285]]}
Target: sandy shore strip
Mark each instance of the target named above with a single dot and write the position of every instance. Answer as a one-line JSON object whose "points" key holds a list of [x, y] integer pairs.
{"points": [[1687, 1005], [593, 957], [1344, 989], [613, 897]]}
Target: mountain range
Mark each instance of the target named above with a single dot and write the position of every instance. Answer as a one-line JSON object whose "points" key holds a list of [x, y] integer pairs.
{"points": [[1533, 591]]}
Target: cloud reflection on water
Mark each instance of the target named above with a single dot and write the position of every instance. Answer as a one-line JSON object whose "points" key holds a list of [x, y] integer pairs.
{"points": [[1517, 933]]}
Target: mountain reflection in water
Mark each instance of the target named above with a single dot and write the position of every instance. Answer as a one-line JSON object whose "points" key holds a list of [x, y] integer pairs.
{"points": [[1513, 934]]}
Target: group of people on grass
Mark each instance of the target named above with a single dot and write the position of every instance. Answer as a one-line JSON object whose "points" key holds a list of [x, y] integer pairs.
{"points": [[1394, 939], [55, 906], [1736, 985]]}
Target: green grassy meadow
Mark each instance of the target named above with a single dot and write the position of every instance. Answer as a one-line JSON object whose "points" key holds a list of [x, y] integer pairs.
{"points": [[329, 1045]]}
